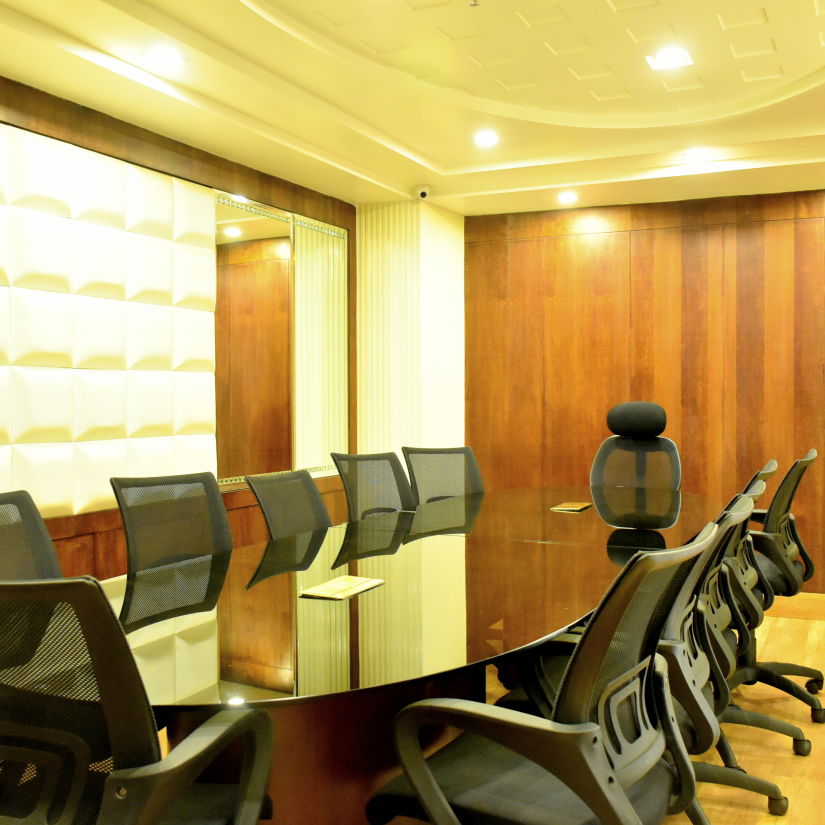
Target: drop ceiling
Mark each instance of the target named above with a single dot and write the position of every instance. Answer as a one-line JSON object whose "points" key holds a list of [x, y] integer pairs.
{"points": [[366, 100]]}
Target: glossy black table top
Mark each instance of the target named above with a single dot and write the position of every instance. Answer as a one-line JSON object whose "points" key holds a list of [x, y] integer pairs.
{"points": [[462, 581]]}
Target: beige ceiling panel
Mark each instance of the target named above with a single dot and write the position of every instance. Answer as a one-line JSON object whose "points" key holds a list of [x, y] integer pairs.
{"points": [[632, 5], [564, 45], [651, 31], [742, 15], [537, 13], [761, 71], [752, 47]]}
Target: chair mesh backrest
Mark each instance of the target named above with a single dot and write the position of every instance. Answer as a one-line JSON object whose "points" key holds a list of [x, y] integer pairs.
{"points": [[448, 516], [622, 461], [65, 669], [762, 475], [780, 506], [439, 473], [373, 483], [361, 541], [178, 546], [288, 554], [290, 502], [625, 628], [26, 549]]}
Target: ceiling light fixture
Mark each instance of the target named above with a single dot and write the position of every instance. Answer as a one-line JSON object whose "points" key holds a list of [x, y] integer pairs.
{"points": [[162, 60], [698, 154], [567, 197], [485, 138], [669, 57], [239, 198], [232, 232]]}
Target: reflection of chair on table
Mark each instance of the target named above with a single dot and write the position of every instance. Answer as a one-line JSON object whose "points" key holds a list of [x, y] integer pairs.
{"points": [[374, 483], [437, 473], [26, 549], [296, 518], [448, 516], [78, 743], [178, 546], [362, 540]]}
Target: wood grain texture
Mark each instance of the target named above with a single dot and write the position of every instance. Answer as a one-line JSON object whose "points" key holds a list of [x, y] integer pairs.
{"points": [[711, 308], [253, 375]]}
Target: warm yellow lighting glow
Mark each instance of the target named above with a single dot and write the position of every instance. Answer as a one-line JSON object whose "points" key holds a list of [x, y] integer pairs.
{"points": [[283, 250], [239, 198], [234, 700], [232, 232], [698, 154], [485, 139], [162, 60], [669, 57], [567, 197], [591, 224]]}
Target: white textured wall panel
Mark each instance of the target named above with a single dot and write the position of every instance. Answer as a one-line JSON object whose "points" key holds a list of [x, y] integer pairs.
{"points": [[41, 405], [194, 277], [41, 328], [149, 269], [107, 293], [194, 340], [47, 472], [5, 405], [100, 408], [101, 196], [99, 333], [149, 337], [42, 173], [194, 403], [99, 256], [149, 202], [151, 403], [320, 408], [95, 463], [33, 262]]}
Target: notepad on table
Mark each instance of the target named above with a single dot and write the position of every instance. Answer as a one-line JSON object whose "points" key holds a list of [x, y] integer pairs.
{"points": [[571, 506], [343, 587]]}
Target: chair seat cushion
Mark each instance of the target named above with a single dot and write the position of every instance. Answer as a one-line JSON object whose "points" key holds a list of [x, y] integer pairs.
{"points": [[774, 576], [488, 784]]}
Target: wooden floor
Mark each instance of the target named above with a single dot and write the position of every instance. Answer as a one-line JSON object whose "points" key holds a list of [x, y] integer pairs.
{"points": [[793, 630]]}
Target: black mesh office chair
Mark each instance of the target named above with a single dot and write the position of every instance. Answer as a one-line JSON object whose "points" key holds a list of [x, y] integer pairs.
{"points": [[362, 540], [296, 519], [637, 470], [178, 546], [373, 483], [783, 566], [26, 549], [599, 751], [437, 473], [78, 743]]}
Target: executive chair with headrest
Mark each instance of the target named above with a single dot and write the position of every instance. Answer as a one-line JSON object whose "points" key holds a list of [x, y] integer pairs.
{"points": [[600, 750], [437, 473], [78, 743], [178, 545], [296, 519], [637, 470], [26, 549], [373, 483]]}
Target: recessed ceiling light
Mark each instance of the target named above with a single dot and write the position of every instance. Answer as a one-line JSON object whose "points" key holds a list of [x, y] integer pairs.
{"points": [[486, 138], [162, 60], [567, 197], [234, 700], [698, 154], [240, 198], [669, 57], [232, 232]]}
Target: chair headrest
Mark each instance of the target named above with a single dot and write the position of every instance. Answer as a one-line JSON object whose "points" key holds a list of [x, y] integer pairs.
{"points": [[637, 419]]}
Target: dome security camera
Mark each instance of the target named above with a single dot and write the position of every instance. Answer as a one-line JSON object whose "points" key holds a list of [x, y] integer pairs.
{"points": [[422, 192]]}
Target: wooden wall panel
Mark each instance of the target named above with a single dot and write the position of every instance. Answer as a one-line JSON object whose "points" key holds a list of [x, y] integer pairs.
{"points": [[715, 310], [253, 375]]}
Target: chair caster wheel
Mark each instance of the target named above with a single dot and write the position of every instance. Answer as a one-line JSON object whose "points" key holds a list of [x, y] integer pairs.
{"points": [[813, 685], [801, 747], [818, 715], [778, 807]]}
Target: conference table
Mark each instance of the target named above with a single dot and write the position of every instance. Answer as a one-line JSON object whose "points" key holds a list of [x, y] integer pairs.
{"points": [[450, 590]]}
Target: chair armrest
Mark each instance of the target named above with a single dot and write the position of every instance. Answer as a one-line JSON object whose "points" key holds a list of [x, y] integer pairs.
{"points": [[767, 545], [758, 515], [138, 796], [807, 561], [573, 753]]}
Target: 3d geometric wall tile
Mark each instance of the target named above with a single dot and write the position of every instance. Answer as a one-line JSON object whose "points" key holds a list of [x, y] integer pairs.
{"points": [[194, 277], [47, 472], [99, 261], [4, 238], [149, 202], [151, 456], [42, 404], [40, 328], [100, 409], [39, 253], [149, 269], [195, 453], [5, 405], [148, 337], [5, 297], [194, 340], [95, 463], [6, 475], [194, 403], [101, 199], [194, 215], [99, 333], [150, 403]]}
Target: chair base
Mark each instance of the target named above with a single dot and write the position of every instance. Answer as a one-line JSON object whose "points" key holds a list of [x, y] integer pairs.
{"points": [[775, 674], [737, 778]]}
